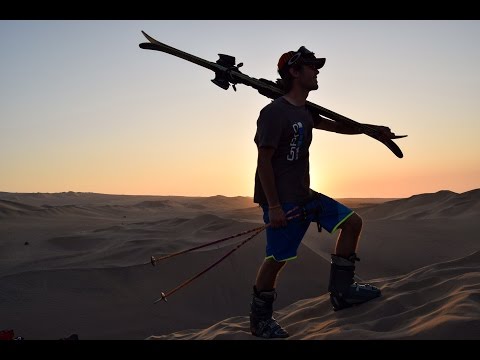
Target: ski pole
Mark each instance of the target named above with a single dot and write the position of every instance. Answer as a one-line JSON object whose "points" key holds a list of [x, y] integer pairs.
{"points": [[154, 259], [185, 283]]}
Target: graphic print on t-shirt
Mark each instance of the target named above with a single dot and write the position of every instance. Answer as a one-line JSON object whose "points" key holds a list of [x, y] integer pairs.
{"points": [[296, 142]]}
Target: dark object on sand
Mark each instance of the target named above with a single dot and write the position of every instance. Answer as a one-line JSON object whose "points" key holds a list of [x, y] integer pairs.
{"points": [[7, 334]]}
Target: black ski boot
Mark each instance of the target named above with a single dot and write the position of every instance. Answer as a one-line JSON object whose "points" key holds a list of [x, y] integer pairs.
{"points": [[344, 292], [262, 323]]}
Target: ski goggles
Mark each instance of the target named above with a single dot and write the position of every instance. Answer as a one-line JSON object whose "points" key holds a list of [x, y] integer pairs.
{"points": [[301, 56]]}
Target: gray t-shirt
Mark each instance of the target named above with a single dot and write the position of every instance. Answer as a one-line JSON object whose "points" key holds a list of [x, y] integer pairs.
{"points": [[288, 129]]}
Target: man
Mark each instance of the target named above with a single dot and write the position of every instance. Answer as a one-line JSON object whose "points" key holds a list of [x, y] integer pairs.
{"points": [[282, 186]]}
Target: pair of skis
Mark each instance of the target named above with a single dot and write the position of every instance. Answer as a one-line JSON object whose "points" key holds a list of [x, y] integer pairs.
{"points": [[227, 73]]}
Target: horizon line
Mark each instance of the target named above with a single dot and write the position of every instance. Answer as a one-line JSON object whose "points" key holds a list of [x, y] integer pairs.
{"points": [[227, 196]]}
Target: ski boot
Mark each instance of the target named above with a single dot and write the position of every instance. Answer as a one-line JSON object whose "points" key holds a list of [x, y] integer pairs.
{"points": [[262, 323], [344, 292]]}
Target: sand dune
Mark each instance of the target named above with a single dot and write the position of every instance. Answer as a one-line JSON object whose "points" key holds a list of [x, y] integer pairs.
{"points": [[116, 302], [123, 243], [393, 242], [12, 207], [77, 198], [443, 204], [440, 301], [86, 268]]}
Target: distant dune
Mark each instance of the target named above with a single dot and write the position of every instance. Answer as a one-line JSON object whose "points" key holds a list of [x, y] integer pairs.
{"points": [[12, 207], [443, 204], [80, 263], [402, 235]]}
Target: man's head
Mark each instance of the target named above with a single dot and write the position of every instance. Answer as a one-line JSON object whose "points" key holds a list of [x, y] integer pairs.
{"points": [[296, 60], [302, 56]]}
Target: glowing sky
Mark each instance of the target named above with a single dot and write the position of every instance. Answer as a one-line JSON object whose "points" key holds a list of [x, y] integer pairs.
{"points": [[83, 108]]}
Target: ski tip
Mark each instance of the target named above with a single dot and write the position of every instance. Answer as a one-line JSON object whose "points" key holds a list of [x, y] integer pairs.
{"points": [[142, 45], [149, 38], [398, 153], [146, 35], [393, 148]]}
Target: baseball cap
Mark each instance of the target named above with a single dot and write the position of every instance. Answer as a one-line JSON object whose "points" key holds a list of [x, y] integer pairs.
{"points": [[301, 56]]}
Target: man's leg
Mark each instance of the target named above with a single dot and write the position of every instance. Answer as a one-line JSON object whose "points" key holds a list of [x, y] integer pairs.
{"points": [[344, 291], [268, 273], [262, 322], [347, 240], [282, 244]]}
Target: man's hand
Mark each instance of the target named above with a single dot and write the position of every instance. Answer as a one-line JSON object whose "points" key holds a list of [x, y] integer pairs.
{"points": [[277, 217], [386, 132]]}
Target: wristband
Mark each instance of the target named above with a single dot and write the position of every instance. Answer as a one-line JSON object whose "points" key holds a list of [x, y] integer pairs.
{"points": [[274, 207]]}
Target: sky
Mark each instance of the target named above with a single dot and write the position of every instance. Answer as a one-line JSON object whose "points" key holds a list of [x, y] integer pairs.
{"points": [[83, 108]]}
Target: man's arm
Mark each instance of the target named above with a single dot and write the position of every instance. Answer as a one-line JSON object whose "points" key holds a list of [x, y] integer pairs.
{"points": [[344, 128], [334, 126], [267, 178]]}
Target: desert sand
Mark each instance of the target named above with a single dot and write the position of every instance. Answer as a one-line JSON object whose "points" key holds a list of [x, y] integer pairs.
{"points": [[80, 263]]}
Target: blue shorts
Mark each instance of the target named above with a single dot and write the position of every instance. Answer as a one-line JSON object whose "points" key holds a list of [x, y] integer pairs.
{"points": [[283, 242]]}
